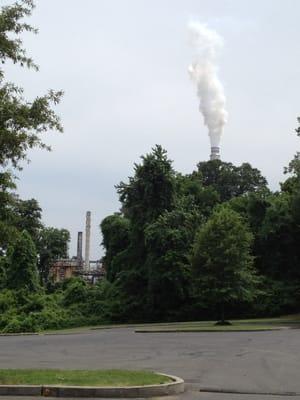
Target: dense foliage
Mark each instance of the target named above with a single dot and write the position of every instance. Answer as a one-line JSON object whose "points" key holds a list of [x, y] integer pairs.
{"points": [[222, 264], [215, 237], [180, 247], [25, 251]]}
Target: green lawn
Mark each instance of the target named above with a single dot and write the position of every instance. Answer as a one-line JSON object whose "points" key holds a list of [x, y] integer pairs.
{"points": [[258, 324], [80, 377]]}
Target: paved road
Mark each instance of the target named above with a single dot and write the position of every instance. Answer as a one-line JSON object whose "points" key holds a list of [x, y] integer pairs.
{"points": [[189, 395], [248, 362]]}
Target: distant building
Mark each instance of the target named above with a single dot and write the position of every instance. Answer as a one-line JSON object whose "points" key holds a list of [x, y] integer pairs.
{"points": [[68, 268], [64, 269], [89, 270]]}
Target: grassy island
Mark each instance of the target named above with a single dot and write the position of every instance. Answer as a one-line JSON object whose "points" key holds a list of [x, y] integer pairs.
{"points": [[113, 377]]}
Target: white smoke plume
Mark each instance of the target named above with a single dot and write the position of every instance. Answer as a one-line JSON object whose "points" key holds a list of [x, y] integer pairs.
{"points": [[203, 71]]}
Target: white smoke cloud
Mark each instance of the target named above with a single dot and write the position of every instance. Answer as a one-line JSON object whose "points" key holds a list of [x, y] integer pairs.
{"points": [[203, 71]]}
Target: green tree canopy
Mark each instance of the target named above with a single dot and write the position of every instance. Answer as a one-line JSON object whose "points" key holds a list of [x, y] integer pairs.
{"points": [[151, 190], [279, 236], [169, 243], [52, 244], [28, 214], [222, 261], [115, 232], [21, 121], [228, 180], [21, 264], [194, 193], [147, 195]]}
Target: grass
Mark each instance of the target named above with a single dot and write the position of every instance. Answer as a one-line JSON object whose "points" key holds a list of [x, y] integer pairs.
{"points": [[80, 377], [256, 324], [260, 324]]}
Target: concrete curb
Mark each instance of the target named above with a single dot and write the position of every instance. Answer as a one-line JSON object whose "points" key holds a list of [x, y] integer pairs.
{"points": [[165, 389], [20, 334], [20, 390]]}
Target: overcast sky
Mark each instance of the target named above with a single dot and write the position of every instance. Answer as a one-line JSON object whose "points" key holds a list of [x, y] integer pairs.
{"points": [[123, 67]]}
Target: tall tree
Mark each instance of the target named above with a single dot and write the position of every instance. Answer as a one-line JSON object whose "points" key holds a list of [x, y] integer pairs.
{"points": [[228, 180], [28, 214], [292, 183], [22, 270], [191, 189], [21, 121], [222, 260], [169, 243], [52, 244], [147, 195], [8, 231], [279, 237], [151, 190], [115, 232]]}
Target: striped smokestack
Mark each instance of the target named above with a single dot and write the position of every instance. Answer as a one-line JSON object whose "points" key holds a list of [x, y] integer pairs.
{"points": [[215, 153], [79, 247], [87, 240]]}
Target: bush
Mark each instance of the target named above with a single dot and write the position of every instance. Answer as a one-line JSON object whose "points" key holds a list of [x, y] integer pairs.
{"points": [[7, 300], [13, 326], [75, 292]]}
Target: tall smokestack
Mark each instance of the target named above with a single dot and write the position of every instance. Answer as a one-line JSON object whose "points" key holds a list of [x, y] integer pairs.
{"points": [[79, 246], [215, 153], [87, 240]]}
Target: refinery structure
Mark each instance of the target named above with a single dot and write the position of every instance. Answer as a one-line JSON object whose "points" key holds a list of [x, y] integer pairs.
{"points": [[90, 270]]}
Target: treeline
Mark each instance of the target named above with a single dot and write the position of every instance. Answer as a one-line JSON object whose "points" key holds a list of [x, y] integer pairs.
{"points": [[186, 246], [212, 244], [27, 247], [29, 301]]}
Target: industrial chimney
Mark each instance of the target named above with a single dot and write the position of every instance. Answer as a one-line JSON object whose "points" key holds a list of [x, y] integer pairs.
{"points": [[87, 240], [215, 153], [79, 247]]}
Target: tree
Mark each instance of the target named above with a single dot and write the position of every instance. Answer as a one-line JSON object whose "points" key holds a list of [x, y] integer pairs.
{"points": [[21, 121], [169, 242], [292, 183], [222, 263], [191, 189], [22, 270], [151, 190], [252, 207], [28, 214], [22, 124], [52, 244], [8, 231], [76, 292], [279, 237], [115, 232], [147, 195], [228, 180]]}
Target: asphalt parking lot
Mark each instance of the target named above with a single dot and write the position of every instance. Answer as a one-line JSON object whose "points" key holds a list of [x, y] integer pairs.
{"points": [[252, 363]]}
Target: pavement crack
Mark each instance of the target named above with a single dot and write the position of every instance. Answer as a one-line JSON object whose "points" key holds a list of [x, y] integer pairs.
{"points": [[247, 392]]}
